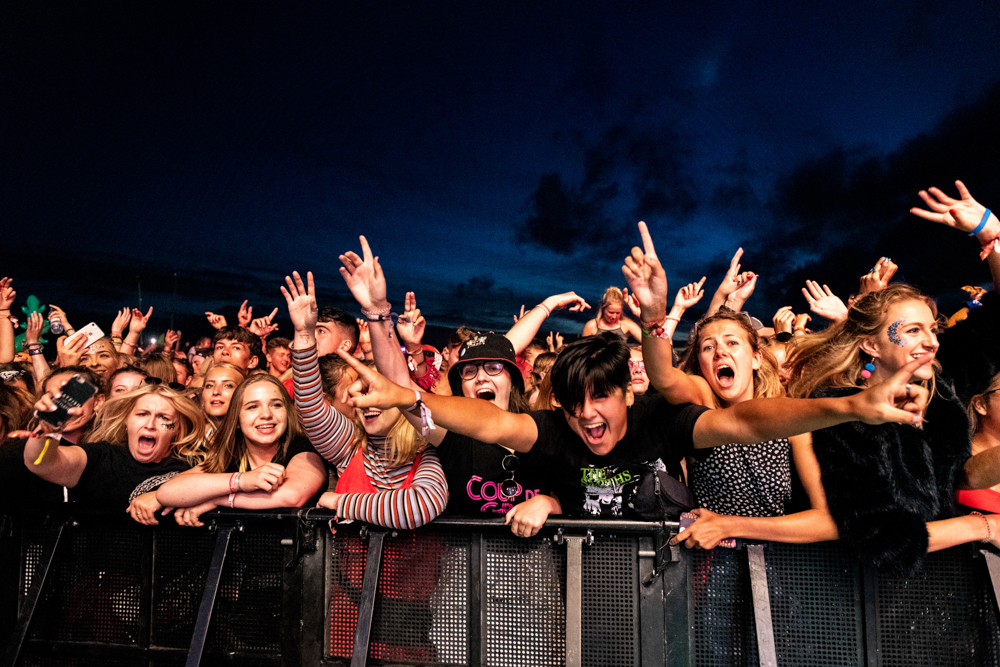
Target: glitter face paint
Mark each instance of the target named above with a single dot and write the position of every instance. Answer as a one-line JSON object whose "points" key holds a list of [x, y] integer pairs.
{"points": [[894, 333]]}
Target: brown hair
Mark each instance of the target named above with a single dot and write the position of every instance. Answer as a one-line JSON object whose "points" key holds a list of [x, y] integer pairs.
{"points": [[766, 379], [229, 444], [980, 400]]}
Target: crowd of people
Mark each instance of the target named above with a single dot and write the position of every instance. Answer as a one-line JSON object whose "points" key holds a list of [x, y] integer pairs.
{"points": [[867, 430]]}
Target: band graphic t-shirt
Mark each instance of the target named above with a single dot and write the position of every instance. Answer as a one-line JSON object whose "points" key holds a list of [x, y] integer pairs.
{"points": [[657, 437]]}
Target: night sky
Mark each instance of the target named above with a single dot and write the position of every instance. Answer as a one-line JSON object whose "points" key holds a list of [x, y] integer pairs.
{"points": [[492, 152]]}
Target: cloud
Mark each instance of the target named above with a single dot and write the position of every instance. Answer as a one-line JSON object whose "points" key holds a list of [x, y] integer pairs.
{"points": [[627, 176], [839, 213]]}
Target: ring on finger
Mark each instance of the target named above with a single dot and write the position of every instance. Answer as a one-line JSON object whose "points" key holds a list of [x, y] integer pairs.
{"points": [[909, 387]]}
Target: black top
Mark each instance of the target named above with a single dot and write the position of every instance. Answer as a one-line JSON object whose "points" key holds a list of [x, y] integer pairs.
{"points": [[658, 436], [19, 487], [297, 446], [113, 478], [474, 470], [884, 482]]}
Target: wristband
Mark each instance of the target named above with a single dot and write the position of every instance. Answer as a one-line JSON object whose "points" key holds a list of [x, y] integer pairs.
{"points": [[547, 311], [239, 477], [426, 422], [232, 498], [655, 330], [379, 315], [232, 487], [982, 223], [675, 319], [32, 351]]}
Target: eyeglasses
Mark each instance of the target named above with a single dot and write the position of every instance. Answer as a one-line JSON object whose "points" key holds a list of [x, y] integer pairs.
{"points": [[176, 386], [509, 488], [636, 365], [492, 368]]}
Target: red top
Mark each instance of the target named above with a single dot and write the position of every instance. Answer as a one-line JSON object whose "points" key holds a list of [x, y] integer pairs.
{"points": [[354, 479]]}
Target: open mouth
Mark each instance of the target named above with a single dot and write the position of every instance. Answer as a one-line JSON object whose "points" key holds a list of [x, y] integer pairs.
{"points": [[487, 394], [146, 444], [371, 414], [266, 429], [725, 375], [596, 432]]}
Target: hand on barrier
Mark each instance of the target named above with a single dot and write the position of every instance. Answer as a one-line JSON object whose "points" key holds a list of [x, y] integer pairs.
{"points": [[527, 518], [191, 516], [143, 509]]}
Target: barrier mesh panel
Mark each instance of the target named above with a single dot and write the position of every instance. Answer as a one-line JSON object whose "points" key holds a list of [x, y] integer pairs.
{"points": [[94, 587], [611, 601], [420, 614], [38, 659], [247, 616], [943, 615], [179, 568], [815, 593], [723, 623], [525, 601]]}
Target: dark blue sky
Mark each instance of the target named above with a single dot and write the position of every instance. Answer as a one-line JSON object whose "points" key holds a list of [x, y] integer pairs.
{"points": [[493, 153]]}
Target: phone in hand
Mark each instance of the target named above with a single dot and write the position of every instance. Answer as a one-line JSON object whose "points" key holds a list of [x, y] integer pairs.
{"points": [[91, 333], [73, 394]]}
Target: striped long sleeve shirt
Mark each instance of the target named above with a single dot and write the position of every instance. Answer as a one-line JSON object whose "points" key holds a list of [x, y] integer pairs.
{"points": [[331, 433]]}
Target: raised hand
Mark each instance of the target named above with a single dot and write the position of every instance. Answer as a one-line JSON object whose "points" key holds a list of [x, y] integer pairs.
{"points": [[555, 341], [784, 319], [646, 278], [571, 301], [731, 282], [878, 278], [517, 318], [801, 320], [262, 325], [69, 355], [122, 319], [33, 328], [170, 339], [58, 312], [963, 214], [745, 284], [690, 294], [7, 293], [301, 302], [364, 277], [245, 316], [139, 321], [632, 303], [824, 302], [412, 324], [217, 321]]}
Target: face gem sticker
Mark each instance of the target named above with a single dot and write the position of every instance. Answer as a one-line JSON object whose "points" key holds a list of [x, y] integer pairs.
{"points": [[894, 333]]}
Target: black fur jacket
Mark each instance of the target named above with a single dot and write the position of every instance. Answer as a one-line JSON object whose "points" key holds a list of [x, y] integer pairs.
{"points": [[884, 483]]}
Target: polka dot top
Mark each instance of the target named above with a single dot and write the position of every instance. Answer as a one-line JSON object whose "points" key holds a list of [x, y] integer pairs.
{"points": [[743, 480]]}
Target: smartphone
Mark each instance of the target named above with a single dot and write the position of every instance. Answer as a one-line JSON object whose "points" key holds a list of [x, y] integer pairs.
{"points": [[91, 333], [73, 394]]}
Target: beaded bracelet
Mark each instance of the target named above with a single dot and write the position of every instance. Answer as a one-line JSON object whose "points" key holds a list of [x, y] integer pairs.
{"points": [[989, 528], [379, 315]]}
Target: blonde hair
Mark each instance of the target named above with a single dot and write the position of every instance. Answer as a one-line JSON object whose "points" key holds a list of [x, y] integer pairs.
{"points": [[612, 295], [188, 441], [229, 444], [766, 379], [833, 358], [980, 400]]}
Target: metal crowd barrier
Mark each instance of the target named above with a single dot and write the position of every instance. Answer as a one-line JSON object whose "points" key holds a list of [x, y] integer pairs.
{"points": [[81, 588]]}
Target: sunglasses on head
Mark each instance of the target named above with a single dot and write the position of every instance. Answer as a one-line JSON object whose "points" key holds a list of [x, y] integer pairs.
{"points": [[471, 370], [176, 386]]}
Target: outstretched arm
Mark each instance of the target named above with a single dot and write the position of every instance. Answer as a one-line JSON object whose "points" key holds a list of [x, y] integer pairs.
{"points": [[967, 215], [527, 326], [762, 419], [7, 295], [468, 416], [735, 288]]}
